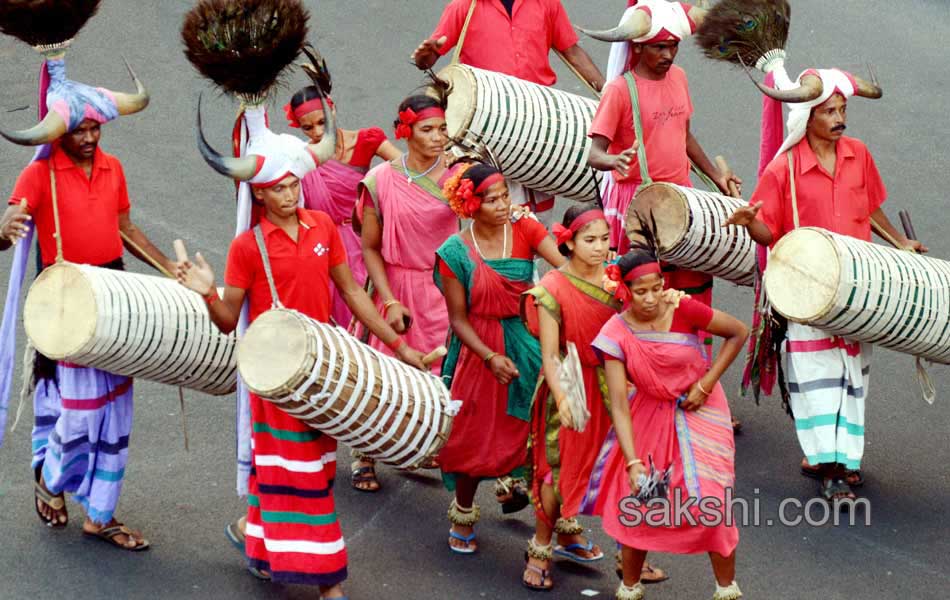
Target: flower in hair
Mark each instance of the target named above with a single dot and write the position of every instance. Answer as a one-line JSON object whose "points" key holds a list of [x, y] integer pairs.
{"points": [[406, 120]]}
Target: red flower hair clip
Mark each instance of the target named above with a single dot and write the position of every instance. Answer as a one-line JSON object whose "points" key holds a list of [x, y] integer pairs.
{"points": [[406, 119], [291, 117], [615, 285], [470, 201]]}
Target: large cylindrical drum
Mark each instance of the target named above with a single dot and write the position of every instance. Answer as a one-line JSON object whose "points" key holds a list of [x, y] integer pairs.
{"points": [[130, 324], [536, 133], [325, 377], [689, 230], [862, 291]]}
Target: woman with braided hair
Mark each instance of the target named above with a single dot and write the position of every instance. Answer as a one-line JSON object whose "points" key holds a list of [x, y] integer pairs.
{"points": [[672, 439], [493, 362]]}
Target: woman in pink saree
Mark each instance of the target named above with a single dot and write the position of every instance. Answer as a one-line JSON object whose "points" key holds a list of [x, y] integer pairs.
{"points": [[332, 188], [404, 219], [673, 438]]}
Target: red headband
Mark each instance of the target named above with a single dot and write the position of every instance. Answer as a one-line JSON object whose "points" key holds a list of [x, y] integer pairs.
{"points": [[293, 114], [409, 117], [616, 285], [563, 234], [470, 196]]}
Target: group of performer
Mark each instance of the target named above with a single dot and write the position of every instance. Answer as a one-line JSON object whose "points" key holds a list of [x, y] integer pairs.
{"points": [[448, 254]]}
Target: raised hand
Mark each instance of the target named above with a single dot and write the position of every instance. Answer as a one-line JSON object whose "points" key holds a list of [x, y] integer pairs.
{"points": [[621, 162], [744, 215], [427, 53], [196, 276]]}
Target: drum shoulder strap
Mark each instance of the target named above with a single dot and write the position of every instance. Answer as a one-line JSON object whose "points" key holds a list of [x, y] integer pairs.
{"points": [[259, 237], [461, 42], [791, 181], [638, 128]]}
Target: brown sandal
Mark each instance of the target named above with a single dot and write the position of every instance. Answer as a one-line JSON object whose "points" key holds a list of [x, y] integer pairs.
{"points": [[108, 534], [55, 502]]}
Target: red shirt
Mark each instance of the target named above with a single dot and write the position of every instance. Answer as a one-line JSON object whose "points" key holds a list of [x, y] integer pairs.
{"points": [[89, 207], [517, 45], [842, 204], [301, 269], [665, 110]]}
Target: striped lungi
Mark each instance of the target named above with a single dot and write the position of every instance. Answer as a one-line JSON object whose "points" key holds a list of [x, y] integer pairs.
{"points": [[292, 528], [82, 422], [827, 383]]}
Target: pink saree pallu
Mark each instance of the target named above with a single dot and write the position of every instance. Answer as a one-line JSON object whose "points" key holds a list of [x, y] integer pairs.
{"points": [[416, 220], [696, 446]]}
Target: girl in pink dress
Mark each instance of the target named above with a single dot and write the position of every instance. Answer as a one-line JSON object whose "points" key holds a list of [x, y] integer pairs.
{"points": [[672, 439], [332, 188]]}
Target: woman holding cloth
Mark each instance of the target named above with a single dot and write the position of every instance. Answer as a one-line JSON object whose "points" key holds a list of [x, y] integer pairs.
{"points": [[673, 438]]}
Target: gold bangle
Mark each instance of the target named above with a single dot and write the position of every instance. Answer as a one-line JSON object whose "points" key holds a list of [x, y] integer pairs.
{"points": [[699, 384], [635, 461], [390, 303], [490, 356]]}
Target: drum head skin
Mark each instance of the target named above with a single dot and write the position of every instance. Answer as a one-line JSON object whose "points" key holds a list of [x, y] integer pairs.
{"points": [[669, 209], [461, 103], [803, 275], [59, 314], [275, 355]]}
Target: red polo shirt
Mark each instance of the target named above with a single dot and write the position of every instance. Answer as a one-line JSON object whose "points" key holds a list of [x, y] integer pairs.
{"points": [[842, 203], [517, 45], [89, 207], [301, 268]]}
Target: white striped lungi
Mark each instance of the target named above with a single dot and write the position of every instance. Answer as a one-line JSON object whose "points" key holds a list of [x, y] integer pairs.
{"points": [[828, 383]]}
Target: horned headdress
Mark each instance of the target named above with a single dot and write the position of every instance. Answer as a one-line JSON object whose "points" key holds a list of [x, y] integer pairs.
{"points": [[753, 33], [245, 47], [49, 26]]}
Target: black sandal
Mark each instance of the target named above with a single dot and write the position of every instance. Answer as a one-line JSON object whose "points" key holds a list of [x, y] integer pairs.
{"points": [[519, 495], [363, 475]]}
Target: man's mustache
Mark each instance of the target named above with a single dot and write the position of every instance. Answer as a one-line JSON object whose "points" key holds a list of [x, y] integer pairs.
{"points": [[837, 128]]}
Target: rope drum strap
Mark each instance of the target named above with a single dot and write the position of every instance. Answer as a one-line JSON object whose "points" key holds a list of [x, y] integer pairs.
{"points": [[458, 46], [259, 238], [638, 128]]}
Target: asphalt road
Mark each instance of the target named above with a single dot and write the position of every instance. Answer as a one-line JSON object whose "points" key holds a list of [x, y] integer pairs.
{"points": [[396, 538]]}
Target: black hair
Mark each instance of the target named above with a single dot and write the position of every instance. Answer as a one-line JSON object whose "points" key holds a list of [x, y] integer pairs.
{"points": [[642, 251], [571, 215], [418, 103], [304, 95], [479, 172]]}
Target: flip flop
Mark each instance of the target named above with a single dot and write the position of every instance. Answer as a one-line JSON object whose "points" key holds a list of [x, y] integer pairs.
{"points": [[468, 539], [853, 478], [566, 552], [53, 501], [257, 573], [234, 535], [648, 574], [108, 534]]}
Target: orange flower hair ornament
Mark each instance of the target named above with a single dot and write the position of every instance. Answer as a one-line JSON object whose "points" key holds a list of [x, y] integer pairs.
{"points": [[464, 198]]}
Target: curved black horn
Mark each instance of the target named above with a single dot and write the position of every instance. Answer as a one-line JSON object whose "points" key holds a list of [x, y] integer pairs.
{"points": [[326, 149], [242, 169]]}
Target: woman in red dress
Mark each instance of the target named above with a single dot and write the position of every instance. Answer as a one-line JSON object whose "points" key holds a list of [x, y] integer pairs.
{"points": [[672, 439], [493, 362]]}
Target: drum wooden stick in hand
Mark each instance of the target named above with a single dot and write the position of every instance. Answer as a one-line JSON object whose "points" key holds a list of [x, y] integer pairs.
{"points": [[723, 167], [435, 355]]}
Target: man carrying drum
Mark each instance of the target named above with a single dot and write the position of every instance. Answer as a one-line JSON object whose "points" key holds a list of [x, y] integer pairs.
{"points": [[77, 198], [293, 465], [822, 178], [513, 37]]}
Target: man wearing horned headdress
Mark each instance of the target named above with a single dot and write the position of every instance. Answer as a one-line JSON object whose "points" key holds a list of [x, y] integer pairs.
{"points": [[83, 416], [823, 178]]}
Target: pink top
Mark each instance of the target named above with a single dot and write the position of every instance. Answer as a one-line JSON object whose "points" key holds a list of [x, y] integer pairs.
{"points": [[665, 110]]}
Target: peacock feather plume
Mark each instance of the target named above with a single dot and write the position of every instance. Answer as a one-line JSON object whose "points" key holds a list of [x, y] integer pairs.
{"points": [[44, 23], [244, 46], [743, 31]]}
